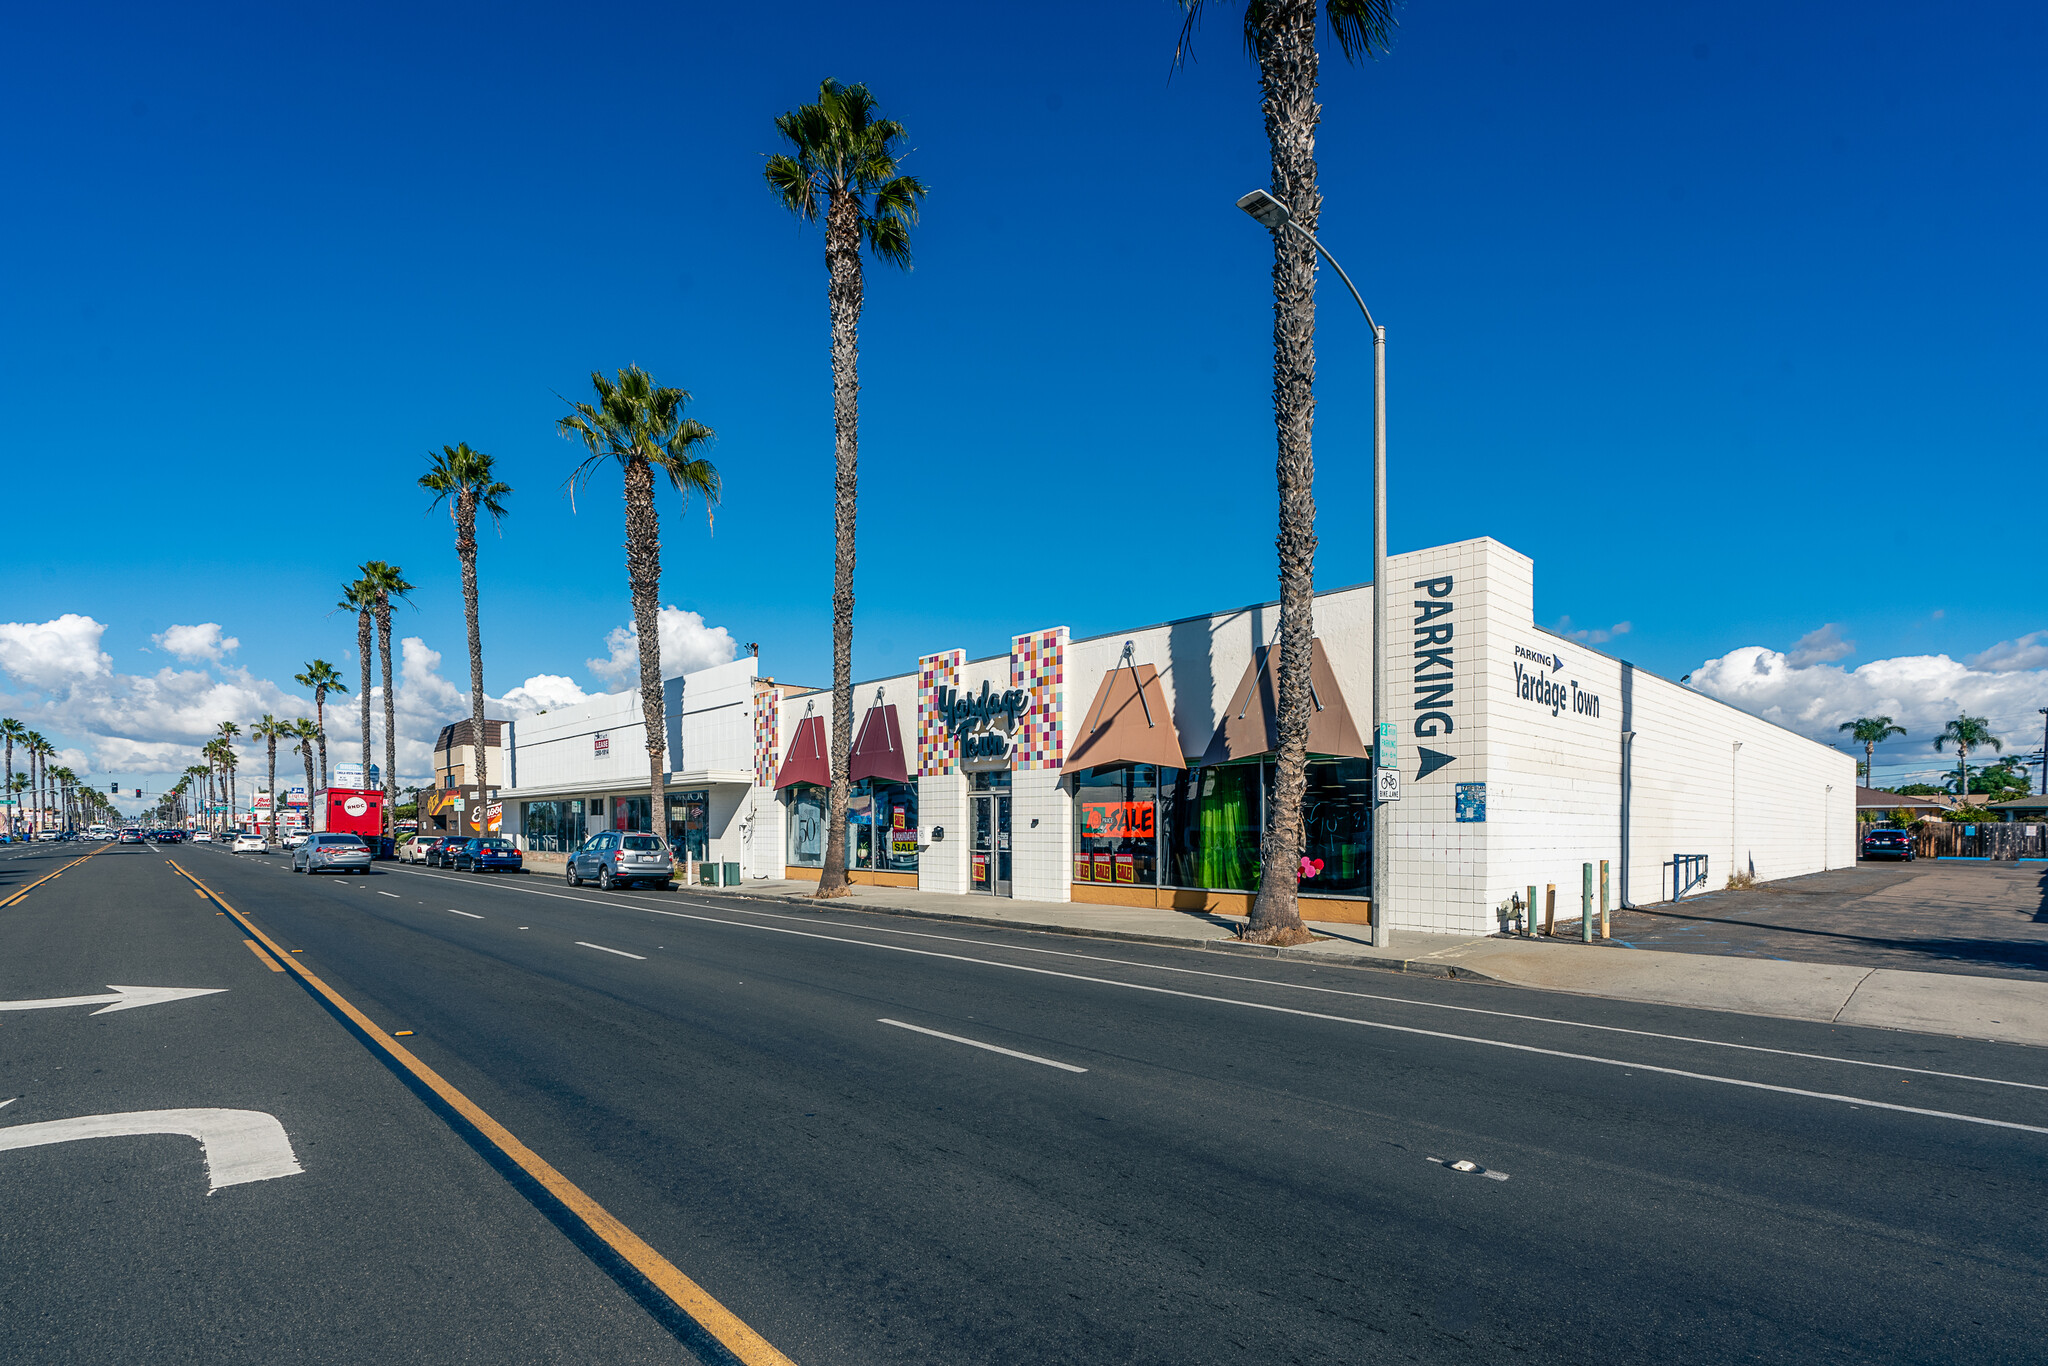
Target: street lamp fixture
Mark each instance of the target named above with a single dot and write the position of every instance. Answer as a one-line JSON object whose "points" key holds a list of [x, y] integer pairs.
{"points": [[1277, 217]]}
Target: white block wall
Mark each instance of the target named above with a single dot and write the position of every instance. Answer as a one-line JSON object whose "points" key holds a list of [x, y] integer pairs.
{"points": [[1041, 858]]}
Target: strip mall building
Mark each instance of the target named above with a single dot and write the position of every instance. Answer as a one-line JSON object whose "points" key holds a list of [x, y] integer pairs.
{"points": [[1134, 768]]}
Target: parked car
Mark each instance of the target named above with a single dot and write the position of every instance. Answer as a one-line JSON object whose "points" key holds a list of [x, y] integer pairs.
{"points": [[294, 840], [614, 858], [496, 854], [333, 851], [246, 843], [435, 853], [1888, 843]]}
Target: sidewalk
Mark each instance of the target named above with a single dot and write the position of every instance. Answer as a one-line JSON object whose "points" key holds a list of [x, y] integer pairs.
{"points": [[1996, 1009]]}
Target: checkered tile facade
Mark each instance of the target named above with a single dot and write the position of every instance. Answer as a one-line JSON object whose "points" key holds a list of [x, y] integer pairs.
{"points": [[935, 752], [767, 711], [1038, 665]]}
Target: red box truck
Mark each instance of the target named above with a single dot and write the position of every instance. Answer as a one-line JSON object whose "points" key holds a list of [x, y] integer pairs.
{"points": [[359, 811]]}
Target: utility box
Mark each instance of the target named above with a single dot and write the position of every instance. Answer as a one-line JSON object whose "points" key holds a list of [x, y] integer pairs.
{"points": [[731, 876]]}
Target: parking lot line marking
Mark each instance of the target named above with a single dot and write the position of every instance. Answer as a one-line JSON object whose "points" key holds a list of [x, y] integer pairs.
{"points": [[602, 949], [267, 960], [472, 915], [689, 1297], [977, 1043]]}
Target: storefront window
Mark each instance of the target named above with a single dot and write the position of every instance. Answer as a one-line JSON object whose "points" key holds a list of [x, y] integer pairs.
{"points": [[689, 824], [1336, 818], [881, 826], [551, 827], [1117, 825], [1216, 816], [630, 813], [806, 825]]}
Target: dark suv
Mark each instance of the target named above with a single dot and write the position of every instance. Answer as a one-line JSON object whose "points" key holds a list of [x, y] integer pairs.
{"points": [[1888, 843]]}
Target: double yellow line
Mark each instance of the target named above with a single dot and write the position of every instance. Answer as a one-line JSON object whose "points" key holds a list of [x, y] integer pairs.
{"points": [[46, 877], [688, 1296]]}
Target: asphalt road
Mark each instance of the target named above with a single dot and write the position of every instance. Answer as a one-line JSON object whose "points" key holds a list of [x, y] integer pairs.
{"points": [[1191, 1161]]}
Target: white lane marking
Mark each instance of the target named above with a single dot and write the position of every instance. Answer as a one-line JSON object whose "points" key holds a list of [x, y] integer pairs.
{"points": [[393, 895], [602, 949], [1291, 986], [124, 998], [976, 1043], [239, 1145], [471, 915]]}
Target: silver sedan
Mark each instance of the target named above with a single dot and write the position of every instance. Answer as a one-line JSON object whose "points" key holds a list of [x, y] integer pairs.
{"points": [[332, 853]]}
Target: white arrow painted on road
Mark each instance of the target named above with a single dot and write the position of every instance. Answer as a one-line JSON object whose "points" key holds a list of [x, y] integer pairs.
{"points": [[239, 1145], [124, 998]]}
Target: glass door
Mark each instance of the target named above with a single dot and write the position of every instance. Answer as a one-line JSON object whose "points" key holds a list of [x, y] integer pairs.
{"points": [[988, 854]]}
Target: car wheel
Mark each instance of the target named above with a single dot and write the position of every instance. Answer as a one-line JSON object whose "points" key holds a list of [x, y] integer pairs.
{"points": [[605, 879], [569, 875]]}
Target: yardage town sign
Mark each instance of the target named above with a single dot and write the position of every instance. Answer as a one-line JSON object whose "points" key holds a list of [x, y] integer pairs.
{"points": [[1536, 685], [974, 722]]}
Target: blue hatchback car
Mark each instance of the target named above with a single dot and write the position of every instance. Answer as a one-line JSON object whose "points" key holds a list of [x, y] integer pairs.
{"points": [[497, 854]]}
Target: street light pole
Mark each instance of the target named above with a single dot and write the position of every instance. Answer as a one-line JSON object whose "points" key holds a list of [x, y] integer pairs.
{"points": [[1276, 216]]}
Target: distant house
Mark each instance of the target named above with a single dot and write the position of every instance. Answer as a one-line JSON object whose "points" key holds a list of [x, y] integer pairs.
{"points": [[1876, 806], [2022, 809]]}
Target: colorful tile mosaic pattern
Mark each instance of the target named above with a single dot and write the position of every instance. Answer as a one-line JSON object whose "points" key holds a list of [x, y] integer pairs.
{"points": [[766, 713], [935, 751], [1038, 665]]}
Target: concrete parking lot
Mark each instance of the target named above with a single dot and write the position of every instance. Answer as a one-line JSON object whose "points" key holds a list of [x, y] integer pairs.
{"points": [[1988, 919]]}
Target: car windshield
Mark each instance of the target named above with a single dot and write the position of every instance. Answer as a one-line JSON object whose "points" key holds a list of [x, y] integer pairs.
{"points": [[642, 843]]}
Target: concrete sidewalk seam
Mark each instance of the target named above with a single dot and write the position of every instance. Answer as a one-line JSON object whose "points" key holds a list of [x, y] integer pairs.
{"points": [[1867, 975]]}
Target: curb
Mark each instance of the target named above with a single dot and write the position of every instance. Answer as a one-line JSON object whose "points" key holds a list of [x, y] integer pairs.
{"points": [[1417, 966]]}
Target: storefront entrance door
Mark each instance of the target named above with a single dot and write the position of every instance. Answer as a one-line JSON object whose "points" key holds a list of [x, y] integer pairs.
{"points": [[989, 854]]}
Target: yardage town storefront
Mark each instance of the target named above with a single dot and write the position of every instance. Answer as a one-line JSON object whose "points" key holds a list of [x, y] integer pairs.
{"points": [[1136, 767]]}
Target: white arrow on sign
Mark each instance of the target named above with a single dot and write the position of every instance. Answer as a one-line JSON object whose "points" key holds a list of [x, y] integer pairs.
{"points": [[124, 998], [239, 1145]]}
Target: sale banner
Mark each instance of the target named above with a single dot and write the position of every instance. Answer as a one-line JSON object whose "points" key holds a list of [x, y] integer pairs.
{"points": [[1126, 868], [1081, 869], [1117, 820], [1102, 868]]}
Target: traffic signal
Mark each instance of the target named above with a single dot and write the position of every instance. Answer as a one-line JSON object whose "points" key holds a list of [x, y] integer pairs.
{"points": [[138, 792], [113, 789]]}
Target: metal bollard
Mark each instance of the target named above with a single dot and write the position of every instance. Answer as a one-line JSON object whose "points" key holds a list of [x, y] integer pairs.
{"points": [[1585, 903], [1605, 932], [1529, 914], [1549, 910]]}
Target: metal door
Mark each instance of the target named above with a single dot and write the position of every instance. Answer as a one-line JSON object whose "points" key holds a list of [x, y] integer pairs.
{"points": [[988, 854]]}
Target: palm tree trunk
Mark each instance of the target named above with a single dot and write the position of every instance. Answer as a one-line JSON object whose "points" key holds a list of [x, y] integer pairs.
{"points": [[365, 639], [1870, 765], [319, 725], [273, 790], [306, 752], [390, 711], [1287, 75], [842, 262], [643, 575], [465, 550]]}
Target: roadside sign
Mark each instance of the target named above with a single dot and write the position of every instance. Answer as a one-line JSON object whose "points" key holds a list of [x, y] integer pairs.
{"points": [[1386, 756], [1389, 786]]}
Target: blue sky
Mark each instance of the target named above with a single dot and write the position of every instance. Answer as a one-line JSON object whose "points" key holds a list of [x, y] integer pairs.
{"points": [[1726, 315]]}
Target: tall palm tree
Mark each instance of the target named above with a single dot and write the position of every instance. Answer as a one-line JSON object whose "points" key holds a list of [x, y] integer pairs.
{"points": [[387, 583], [1870, 732], [17, 786], [201, 796], [464, 478], [1967, 733], [12, 731], [641, 425], [226, 732], [359, 597], [307, 734], [60, 794], [843, 166], [1280, 35], [39, 751], [268, 730], [323, 678]]}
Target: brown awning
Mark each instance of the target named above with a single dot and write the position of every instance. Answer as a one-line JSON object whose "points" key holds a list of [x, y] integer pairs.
{"points": [[878, 749], [1129, 723], [810, 756], [1251, 727]]}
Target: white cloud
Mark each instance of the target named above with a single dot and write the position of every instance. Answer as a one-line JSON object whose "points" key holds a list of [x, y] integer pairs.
{"points": [[2030, 651], [51, 654], [1592, 635], [204, 641], [687, 645], [1822, 646], [542, 692], [1920, 692]]}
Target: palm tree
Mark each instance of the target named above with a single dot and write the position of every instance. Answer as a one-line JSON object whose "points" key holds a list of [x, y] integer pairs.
{"points": [[842, 166], [11, 731], [195, 775], [323, 678], [386, 583], [360, 598], [268, 730], [60, 783], [226, 732], [1870, 732], [17, 785], [467, 475], [1967, 733], [307, 734], [641, 425], [1281, 36], [39, 751]]}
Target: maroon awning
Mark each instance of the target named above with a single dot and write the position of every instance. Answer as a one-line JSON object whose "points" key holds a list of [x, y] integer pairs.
{"points": [[810, 756], [878, 749]]}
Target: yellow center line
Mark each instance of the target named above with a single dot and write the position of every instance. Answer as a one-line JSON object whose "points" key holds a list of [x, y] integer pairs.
{"points": [[45, 878], [688, 1296], [263, 957]]}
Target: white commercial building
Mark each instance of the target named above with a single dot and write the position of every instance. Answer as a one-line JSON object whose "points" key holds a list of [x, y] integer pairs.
{"points": [[1133, 768]]}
